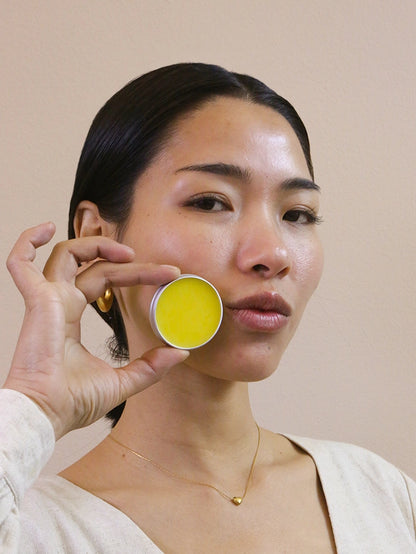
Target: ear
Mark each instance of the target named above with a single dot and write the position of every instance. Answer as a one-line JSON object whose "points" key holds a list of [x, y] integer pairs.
{"points": [[88, 221]]}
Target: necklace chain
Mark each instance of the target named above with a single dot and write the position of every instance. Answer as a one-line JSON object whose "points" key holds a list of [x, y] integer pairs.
{"points": [[236, 500]]}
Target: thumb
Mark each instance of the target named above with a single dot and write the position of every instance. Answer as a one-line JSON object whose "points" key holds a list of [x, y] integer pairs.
{"points": [[143, 372]]}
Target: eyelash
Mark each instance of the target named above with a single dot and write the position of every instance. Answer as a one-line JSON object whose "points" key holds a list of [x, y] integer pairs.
{"points": [[311, 217], [200, 203]]}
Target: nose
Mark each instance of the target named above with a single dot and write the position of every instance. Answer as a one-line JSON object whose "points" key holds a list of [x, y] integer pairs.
{"points": [[262, 250]]}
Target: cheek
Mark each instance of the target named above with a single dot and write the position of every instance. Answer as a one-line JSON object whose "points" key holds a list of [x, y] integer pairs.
{"points": [[202, 252], [193, 249], [308, 265]]}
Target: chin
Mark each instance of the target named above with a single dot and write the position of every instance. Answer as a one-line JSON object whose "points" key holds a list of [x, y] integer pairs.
{"points": [[247, 363], [251, 371]]}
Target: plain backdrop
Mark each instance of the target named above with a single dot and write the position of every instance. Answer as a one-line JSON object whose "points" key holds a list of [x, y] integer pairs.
{"points": [[349, 69]]}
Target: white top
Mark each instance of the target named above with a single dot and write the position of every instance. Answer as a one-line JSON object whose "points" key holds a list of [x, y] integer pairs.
{"points": [[372, 505]]}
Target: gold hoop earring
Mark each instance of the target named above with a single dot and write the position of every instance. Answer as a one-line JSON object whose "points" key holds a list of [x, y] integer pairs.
{"points": [[105, 302]]}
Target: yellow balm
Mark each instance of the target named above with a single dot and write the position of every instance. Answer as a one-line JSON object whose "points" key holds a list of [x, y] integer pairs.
{"points": [[187, 312]]}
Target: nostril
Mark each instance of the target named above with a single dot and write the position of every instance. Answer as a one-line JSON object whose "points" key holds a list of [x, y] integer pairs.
{"points": [[260, 267]]}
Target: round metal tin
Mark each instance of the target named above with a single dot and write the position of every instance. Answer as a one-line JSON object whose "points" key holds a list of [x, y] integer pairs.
{"points": [[187, 312]]}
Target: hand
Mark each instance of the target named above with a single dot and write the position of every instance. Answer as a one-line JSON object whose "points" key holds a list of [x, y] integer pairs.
{"points": [[50, 365]]}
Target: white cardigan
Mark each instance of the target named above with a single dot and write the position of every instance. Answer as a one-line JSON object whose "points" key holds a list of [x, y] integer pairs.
{"points": [[372, 505]]}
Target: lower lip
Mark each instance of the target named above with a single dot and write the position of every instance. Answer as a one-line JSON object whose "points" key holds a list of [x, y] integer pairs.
{"points": [[258, 320]]}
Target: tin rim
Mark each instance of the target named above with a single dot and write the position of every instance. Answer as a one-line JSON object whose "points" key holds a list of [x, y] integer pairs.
{"points": [[153, 306]]}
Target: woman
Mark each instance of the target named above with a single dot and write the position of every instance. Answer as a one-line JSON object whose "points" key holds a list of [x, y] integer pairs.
{"points": [[187, 169]]}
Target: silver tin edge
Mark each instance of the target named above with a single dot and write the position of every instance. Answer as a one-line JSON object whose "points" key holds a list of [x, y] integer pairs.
{"points": [[155, 299]]}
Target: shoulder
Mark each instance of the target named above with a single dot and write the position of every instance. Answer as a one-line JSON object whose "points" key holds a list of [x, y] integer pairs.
{"points": [[53, 500], [370, 501], [58, 516], [341, 453], [360, 472], [52, 489], [349, 458]]}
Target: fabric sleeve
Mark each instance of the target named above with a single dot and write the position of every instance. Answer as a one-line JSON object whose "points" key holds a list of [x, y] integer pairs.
{"points": [[411, 489], [27, 441]]}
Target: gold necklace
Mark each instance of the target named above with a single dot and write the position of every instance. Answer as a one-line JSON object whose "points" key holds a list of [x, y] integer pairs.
{"points": [[237, 500]]}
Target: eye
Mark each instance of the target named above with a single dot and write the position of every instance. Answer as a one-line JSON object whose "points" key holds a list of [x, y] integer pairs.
{"points": [[209, 203], [302, 216]]}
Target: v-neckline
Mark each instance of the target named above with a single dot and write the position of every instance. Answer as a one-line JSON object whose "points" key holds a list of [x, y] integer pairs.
{"points": [[330, 507], [298, 441]]}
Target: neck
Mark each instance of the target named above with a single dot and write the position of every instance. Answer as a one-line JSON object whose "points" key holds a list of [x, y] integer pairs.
{"points": [[190, 417]]}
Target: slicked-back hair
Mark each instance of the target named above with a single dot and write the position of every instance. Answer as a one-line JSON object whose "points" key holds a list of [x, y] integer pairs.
{"points": [[132, 128]]}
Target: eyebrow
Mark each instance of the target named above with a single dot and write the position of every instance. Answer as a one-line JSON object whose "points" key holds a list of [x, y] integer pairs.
{"points": [[244, 175], [298, 183], [227, 170]]}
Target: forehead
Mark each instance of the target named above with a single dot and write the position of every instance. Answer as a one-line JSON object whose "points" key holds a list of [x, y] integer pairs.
{"points": [[236, 131]]}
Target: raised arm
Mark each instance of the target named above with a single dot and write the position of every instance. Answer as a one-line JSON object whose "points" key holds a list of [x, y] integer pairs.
{"points": [[51, 367]]}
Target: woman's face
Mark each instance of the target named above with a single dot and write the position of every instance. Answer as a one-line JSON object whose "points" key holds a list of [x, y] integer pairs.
{"points": [[230, 198]]}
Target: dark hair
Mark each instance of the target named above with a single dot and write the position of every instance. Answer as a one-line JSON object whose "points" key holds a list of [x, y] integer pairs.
{"points": [[132, 128]]}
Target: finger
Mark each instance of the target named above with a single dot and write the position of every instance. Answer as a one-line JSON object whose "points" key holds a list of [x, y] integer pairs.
{"points": [[20, 261], [67, 255], [148, 370], [103, 275]]}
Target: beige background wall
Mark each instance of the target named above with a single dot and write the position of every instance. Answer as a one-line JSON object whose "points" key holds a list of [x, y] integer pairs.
{"points": [[349, 69]]}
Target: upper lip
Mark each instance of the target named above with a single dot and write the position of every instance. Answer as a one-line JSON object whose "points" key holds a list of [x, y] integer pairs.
{"points": [[265, 301]]}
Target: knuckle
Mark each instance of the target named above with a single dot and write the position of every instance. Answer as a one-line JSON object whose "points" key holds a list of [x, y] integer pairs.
{"points": [[12, 263], [60, 247], [61, 250]]}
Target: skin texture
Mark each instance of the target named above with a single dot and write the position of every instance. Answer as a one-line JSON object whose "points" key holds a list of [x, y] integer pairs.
{"points": [[226, 244], [248, 233]]}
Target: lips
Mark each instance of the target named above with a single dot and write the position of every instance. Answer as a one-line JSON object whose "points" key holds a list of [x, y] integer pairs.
{"points": [[267, 312]]}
